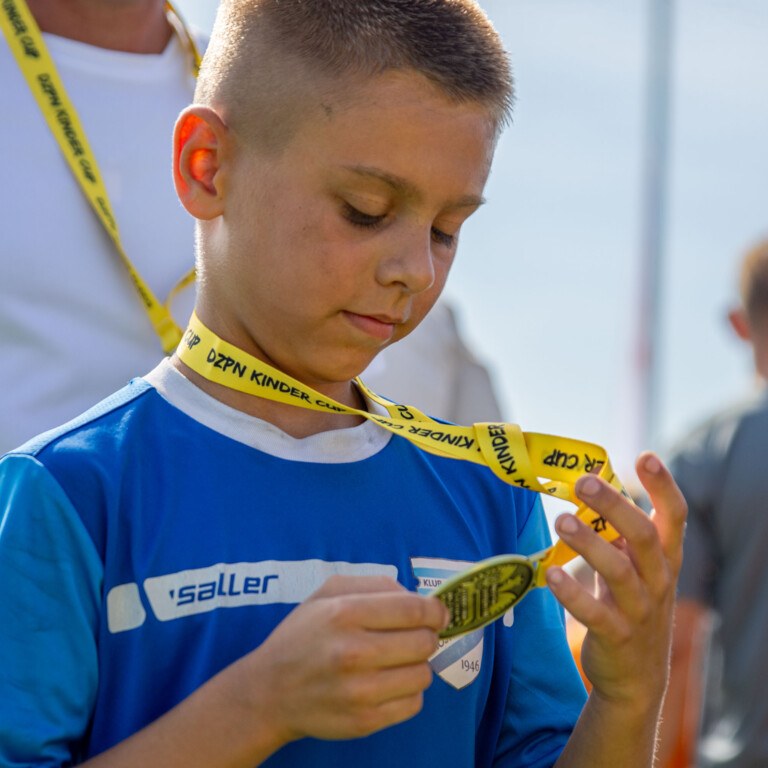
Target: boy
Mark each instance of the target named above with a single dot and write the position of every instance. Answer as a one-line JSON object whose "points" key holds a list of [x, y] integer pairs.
{"points": [[164, 539]]}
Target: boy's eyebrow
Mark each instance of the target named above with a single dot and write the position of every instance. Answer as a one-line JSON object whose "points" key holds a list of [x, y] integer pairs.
{"points": [[406, 188]]}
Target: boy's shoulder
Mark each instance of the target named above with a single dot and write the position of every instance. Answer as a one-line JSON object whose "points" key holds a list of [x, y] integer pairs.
{"points": [[71, 472], [89, 430]]}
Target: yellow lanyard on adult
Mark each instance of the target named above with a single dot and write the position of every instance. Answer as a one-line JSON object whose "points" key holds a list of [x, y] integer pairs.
{"points": [[541, 463], [26, 42]]}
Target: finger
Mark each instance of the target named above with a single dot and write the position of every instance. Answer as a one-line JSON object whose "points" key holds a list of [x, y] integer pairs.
{"points": [[388, 611], [579, 601], [638, 530], [670, 509], [348, 585], [611, 563], [388, 713], [387, 684], [379, 649]]}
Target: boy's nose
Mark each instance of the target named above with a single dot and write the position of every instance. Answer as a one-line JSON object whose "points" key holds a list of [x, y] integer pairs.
{"points": [[409, 263]]}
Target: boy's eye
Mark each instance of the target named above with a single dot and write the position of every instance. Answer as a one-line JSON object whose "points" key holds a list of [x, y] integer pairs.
{"points": [[370, 221], [360, 219], [443, 238]]}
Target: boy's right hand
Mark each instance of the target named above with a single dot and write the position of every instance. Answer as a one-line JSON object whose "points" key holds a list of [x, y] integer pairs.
{"points": [[350, 660]]}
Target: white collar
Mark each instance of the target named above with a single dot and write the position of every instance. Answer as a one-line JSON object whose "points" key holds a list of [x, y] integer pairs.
{"points": [[337, 446]]}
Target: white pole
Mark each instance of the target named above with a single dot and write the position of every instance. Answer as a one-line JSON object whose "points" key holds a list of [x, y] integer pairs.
{"points": [[654, 208]]}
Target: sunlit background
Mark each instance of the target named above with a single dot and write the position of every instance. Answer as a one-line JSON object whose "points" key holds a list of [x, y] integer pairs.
{"points": [[548, 277]]}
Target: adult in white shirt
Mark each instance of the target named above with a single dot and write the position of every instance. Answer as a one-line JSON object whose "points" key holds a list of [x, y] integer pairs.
{"points": [[72, 328]]}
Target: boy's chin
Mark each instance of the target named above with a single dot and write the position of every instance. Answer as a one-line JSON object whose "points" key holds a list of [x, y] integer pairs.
{"points": [[341, 374], [357, 365]]}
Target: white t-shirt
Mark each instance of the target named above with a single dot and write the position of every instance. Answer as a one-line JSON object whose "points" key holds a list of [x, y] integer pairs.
{"points": [[72, 328]]}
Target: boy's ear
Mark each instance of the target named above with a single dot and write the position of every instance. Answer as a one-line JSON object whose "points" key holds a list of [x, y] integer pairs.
{"points": [[740, 324], [200, 144]]}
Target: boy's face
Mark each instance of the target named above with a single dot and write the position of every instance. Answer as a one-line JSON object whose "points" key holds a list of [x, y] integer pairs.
{"points": [[339, 245]]}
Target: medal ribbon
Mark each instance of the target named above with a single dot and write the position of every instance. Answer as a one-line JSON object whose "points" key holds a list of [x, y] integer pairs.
{"points": [[542, 463], [26, 42]]}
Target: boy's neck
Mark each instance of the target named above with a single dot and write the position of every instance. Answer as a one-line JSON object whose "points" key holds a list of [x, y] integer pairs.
{"points": [[294, 421], [133, 26]]}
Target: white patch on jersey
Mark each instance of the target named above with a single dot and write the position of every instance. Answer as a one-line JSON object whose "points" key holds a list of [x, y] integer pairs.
{"points": [[230, 585], [124, 608], [457, 660]]}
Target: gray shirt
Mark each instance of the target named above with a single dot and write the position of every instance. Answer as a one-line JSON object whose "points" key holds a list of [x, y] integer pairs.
{"points": [[722, 469]]}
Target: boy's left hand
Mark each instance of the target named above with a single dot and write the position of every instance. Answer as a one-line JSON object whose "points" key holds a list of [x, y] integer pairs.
{"points": [[626, 651]]}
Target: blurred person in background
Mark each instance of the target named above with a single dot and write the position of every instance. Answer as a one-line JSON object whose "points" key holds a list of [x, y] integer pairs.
{"points": [[434, 370], [721, 469], [72, 325]]}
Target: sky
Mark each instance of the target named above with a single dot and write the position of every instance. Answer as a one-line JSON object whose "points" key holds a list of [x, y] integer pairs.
{"points": [[547, 277]]}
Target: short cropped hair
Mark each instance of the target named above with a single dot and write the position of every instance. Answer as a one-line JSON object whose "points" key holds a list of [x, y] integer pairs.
{"points": [[267, 56], [754, 282]]}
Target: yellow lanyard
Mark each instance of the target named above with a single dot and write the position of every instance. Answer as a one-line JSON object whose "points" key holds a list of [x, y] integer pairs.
{"points": [[26, 42], [541, 463]]}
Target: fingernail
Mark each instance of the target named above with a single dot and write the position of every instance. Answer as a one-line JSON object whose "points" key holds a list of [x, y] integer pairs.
{"points": [[567, 524], [555, 575], [652, 465], [589, 486]]}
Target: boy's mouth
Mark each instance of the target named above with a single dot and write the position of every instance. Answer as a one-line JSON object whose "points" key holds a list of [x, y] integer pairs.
{"points": [[379, 326]]}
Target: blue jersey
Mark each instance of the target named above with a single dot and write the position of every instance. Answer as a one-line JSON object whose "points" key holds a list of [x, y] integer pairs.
{"points": [[162, 536]]}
